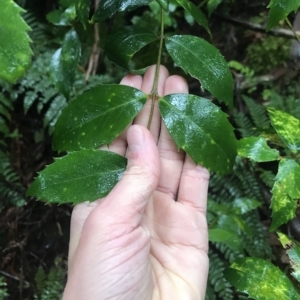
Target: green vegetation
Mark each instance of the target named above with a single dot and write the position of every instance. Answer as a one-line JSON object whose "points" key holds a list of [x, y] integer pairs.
{"points": [[74, 52]]}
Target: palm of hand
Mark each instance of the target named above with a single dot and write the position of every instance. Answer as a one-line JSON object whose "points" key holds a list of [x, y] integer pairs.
{"points": [[155, 248]]}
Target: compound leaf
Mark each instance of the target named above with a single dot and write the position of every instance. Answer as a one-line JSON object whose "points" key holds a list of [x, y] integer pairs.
{"points": [[97, 116], [79, 176], [15, 52], [204, 62], [201, 129], [195, 12], [123, 44], [280, 9], [260, 279], [256, 148], [64, 63], [107, 8], [287, 127]]}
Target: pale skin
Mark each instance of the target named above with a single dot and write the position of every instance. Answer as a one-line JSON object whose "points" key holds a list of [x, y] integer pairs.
{"points": [[138, 243]]}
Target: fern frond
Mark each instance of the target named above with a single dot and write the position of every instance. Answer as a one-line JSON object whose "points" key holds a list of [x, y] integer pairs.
{"points": [[244, 124], [50, 285], [222, 289], [258, 113], [258, 244]]}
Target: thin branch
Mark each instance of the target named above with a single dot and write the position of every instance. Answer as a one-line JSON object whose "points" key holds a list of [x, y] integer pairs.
{"points": [[94, 57], [286, 33]]}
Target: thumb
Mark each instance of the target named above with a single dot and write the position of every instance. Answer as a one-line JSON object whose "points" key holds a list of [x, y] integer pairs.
{"points": [[127, 200]]}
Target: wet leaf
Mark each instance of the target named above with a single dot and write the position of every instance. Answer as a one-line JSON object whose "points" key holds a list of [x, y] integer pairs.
{"points": [[64, 63], [123, 44], [256, 148], [62, 17], [97, 117], [293, 251], [287, 127], [82, 10], [15, 52], [201, 129], [85, 175], [260, 279], [195, 12], [279, 10], [204, 62], [285, 192], [107, 8]]}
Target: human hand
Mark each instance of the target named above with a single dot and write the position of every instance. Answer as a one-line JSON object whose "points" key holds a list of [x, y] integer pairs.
{"points": [[138, 242]]}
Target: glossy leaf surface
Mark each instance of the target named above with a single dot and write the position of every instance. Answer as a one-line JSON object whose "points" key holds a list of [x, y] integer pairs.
{"points": [[62, 17], [79, 176], [285, 192], [204, 62], [107, 8], [15, 52], [97, 117], [256, 148], [260, 279], [280, 9], [195, 12], [123, 44], [287, 127], [201, 129], [64, 63], [82, 10], [293, 251]]}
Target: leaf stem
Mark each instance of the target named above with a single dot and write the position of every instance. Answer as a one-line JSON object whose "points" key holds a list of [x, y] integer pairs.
{"points": [[293, 30], [154, 92]]}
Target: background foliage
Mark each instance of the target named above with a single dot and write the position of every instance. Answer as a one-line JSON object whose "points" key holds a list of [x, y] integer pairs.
{"points": [[34, 236]]}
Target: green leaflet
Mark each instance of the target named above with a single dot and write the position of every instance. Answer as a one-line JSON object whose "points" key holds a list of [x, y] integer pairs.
{"points": [[164, 4], [107, 8], [82, 10], [244, 205], [260, 279], [293, 251], [212, 5], [195, 12], [287, 127], [279, 10], [219, 235], [256, 149], [15, 53], [204, 62], [201, 129], [285, 192], [123, 44], [64, 63], [97, 117], [79, 176], [62, 17]]}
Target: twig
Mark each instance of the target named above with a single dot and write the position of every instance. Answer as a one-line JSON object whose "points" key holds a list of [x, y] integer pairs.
{"points": [[94, 57], [289, 34]]}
